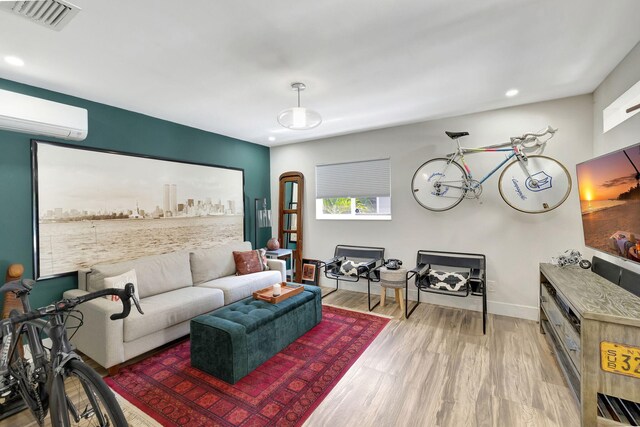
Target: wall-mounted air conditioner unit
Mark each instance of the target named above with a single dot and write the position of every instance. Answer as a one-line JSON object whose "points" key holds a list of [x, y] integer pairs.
{"points": [[28, 114]]}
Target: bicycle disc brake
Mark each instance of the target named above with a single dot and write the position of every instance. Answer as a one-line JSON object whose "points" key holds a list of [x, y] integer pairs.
{"points": [[474, 190]]}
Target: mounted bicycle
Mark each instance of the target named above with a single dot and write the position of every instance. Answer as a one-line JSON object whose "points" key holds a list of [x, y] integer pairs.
{"points": [[530, 184], [56, 379]]}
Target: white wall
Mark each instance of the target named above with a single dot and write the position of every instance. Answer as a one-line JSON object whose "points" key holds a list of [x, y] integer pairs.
{"points": [[625, 75], [513, 242]]}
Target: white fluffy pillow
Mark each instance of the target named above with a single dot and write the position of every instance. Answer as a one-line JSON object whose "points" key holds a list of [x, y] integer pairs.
{"points": [[119, 282]]}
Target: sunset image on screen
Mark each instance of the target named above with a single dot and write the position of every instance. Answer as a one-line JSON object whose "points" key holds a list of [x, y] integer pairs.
{"points": [[609, 189]]}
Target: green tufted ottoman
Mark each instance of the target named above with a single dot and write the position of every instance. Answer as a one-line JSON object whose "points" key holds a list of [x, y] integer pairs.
{"points": [[232, 341]]}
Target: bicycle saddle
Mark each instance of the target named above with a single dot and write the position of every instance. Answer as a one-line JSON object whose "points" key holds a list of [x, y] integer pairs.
{"points": [[456, 135], [18, 286]]}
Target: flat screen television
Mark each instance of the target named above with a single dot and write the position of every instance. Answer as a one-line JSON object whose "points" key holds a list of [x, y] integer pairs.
{"points": [[609, 188]]}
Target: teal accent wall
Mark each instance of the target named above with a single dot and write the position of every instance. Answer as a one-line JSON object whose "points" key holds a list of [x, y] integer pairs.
{"points": [[119, 130]]}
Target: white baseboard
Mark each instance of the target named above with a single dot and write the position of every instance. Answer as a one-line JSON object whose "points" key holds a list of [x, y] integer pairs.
{"points": [[472, 303], [513, 310]]}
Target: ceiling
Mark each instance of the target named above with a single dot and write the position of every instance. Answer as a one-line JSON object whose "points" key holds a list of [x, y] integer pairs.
{"points": [[226, 66]]}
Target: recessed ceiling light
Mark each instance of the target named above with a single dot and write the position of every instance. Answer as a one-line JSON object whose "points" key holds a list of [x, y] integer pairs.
{"points": [[14, 60], [272, 138], [512, 92]]}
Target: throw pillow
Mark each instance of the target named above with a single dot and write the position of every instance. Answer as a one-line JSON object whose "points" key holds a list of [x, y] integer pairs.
{"points": [[250, 261], [119, 282], [350, 268], [447, 280], [263, 259]]}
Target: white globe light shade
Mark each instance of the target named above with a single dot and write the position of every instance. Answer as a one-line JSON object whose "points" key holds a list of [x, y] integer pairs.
{"points": [[299, 118]]}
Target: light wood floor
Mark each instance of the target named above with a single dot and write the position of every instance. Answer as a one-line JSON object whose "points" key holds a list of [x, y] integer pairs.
{"points": [[437, 369]]}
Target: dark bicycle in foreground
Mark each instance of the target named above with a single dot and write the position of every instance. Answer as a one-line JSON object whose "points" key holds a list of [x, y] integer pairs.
{"points": [[55, 379]]}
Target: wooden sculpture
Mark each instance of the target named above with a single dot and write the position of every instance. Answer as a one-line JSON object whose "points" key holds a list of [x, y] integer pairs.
{"points": [[14, 272]]}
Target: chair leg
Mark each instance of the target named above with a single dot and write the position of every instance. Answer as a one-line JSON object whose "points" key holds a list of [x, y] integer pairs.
{"points": [[383, 295], [369, 295], [335, 290], [406, 306], [484, 310]]}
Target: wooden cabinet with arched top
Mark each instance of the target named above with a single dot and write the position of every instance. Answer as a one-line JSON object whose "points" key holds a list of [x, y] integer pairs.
{"points": [[290, 210]]}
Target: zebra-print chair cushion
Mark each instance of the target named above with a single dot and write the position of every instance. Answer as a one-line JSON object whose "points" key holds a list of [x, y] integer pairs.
{"points": [[351, 268], [447, 280]]}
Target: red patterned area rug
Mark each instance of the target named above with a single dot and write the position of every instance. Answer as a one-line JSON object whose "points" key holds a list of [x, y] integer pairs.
{"points": [[283, 391]]}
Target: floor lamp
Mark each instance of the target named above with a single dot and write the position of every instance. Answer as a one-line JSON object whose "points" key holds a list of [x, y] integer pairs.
{"points": [[263, 217]]}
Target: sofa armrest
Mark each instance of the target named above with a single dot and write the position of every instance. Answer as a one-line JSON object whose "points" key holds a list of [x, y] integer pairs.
{"points": [[82, 278], [278, 265], [100, 338]]}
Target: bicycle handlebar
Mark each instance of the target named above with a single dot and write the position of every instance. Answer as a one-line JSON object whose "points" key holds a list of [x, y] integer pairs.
{"points": [[126, 302], [533, 137], [523, 140], [125, 295]]}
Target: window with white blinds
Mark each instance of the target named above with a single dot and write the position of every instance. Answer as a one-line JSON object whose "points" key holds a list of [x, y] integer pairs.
{"points": [[367, 179], [354, 190]]}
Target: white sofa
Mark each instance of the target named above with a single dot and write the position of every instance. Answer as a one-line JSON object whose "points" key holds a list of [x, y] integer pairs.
{"points": [[173, 288]]}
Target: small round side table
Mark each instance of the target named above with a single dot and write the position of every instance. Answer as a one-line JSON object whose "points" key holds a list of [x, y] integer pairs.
{"points": [[394, 279]]}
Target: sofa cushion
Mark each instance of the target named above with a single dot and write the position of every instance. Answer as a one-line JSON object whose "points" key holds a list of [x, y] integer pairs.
{"points": [[170, 308], [212, 263], [156, 274], [237, 287], [248, 262]]}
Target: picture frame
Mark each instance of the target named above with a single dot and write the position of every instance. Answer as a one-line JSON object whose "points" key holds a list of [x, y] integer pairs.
{"points": [[94, 206], [310, 271]]}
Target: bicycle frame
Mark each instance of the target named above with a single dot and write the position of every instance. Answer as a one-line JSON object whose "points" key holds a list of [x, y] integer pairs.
{"points": [[514, 151], [12, 371], [31, 329]]}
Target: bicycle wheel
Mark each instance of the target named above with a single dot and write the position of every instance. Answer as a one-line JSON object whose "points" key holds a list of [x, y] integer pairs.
{"points": [[80, 397], [438, 185], [518, 191]]}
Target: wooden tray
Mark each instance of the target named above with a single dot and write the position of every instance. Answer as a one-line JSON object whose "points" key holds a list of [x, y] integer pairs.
{"points": [[287, 291]]}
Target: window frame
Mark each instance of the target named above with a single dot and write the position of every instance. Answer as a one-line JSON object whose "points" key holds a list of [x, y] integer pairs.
{"points": [[353, 215]]}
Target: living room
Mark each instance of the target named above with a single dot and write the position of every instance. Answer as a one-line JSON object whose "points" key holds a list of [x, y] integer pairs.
{"points": [[168, 114]]}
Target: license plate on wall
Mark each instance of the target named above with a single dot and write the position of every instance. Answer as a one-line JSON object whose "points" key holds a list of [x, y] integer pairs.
{"points": [[620, 359]]}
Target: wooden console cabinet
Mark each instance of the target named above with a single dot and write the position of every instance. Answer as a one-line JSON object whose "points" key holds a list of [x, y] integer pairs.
{"points": [[584, 316]]}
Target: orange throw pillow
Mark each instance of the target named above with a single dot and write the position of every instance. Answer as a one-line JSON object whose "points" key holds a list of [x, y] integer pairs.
{"points": [[250, 262]]}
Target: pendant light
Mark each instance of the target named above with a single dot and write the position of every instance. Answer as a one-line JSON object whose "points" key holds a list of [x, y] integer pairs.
{"points": [[299, 118]]}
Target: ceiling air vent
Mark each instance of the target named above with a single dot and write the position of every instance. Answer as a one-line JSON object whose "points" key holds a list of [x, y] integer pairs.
{"points": [[53, 14]]}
